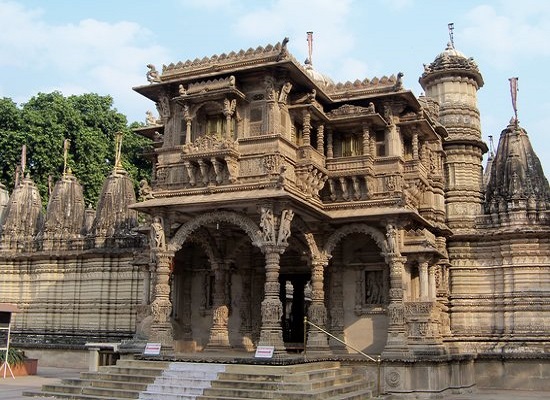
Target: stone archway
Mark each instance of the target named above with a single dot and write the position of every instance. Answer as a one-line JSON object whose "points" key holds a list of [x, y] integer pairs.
{"points": [[358, 287], [202, 277]]}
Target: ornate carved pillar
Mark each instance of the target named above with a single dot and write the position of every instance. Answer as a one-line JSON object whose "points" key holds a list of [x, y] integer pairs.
{"points": [[366, 140], [415, 143], [317, 312], [321, 138], [275, 232], [330, 153], [307, 128], [229, 108], [396, 345], [161, 307], [432, 288], [423, 276], [219, 333], [271, 333], [188, 120]]}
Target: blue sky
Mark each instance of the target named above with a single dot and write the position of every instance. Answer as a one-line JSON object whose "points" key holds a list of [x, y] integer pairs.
{"points": [[103, 46]]}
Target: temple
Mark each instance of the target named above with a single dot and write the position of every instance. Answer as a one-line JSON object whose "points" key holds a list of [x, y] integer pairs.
{"points": [[277, 194]]}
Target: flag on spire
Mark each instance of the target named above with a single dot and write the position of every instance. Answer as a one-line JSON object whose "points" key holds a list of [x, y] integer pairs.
{"points": [[514, 93], [310, 46]]}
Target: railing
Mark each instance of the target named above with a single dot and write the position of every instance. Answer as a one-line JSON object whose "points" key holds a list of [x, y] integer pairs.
{"points": [[378, 360]]}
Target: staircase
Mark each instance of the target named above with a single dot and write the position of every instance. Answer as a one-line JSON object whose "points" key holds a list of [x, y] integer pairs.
{"points": [[152, 380]]}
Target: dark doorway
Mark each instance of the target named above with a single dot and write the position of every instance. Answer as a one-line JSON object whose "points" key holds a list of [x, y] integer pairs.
{"points": [[295, 296]]}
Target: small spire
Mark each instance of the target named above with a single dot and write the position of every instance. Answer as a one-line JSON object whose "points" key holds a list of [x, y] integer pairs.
{"points": [[451, 27], [514, 92], [23, 159], [310, 47], [491, 146]]}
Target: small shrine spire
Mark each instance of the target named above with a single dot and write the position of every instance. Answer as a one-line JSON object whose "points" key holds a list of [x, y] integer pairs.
{"points": [[514, 93], [23, 159], [451, 27], [309, 47]]}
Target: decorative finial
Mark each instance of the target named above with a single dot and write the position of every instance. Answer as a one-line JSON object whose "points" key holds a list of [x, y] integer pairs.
{"points": [[451, 27], [514, 92], [66, 143], [118, 150], [309, 46]]}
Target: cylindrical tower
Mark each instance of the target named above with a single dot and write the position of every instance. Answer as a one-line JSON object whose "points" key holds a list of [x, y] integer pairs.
{"points": [[453, 80]]}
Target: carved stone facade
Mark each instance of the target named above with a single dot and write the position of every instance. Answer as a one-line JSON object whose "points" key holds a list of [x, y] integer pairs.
{"points": [[277, 195]]}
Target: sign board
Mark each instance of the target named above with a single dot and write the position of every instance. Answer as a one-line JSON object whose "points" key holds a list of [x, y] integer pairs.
{"points": [[264, 352], [152, 349]]}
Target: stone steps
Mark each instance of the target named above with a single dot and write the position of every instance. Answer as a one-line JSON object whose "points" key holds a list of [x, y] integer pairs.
{"points": [[153, 380]]}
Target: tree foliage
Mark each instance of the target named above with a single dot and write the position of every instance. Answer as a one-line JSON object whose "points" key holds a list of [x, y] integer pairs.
{"points": [[90, 123]]}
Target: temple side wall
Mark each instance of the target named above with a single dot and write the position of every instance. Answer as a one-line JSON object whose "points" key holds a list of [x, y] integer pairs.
{"points": [[527, 374], [67, 301]]}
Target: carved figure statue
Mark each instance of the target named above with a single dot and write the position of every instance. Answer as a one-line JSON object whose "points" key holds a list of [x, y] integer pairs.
{"points": [[152, 75], [284, 229], [158, 240], [267, 224], [285, 90], [391, 236], [145, 191], [150, 118], [370, 108]]}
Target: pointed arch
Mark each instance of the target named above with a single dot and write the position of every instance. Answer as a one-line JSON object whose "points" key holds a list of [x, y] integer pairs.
{"points": [[240, 220], [335, 238]]}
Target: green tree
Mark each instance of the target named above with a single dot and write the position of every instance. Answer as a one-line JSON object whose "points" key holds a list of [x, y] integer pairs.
{"points": [[89, 121]]}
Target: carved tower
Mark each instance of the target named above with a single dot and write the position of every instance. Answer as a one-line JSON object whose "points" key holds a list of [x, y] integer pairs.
{"points": [[453, 80]]}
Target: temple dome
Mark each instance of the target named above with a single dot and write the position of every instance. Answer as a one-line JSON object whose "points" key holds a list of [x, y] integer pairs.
{"points": [[319, 78], [517, 180], [452, 61], [113, 217], [65, 213], [22, 219]]}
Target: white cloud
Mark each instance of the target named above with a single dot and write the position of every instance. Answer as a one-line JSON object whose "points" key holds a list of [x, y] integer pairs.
{"points": [[506, 34], [327, 19], [85, 56]]}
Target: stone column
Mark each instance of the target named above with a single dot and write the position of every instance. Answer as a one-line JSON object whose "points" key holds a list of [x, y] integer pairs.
{"points": [[188, 120], [337, 309], [432, 287], [366, 140], [245, 302], [307, 128], [330, 153], [271, 333], [219, 333], [321, 139], [423, 276], [396, 345], [415, 143], [275, 233], [317, 312], [161, 307]]}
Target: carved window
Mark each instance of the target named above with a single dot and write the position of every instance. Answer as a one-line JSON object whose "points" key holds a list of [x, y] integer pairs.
{"points": [[380, 143], [372, 290], [407, 149], [351, 145]]}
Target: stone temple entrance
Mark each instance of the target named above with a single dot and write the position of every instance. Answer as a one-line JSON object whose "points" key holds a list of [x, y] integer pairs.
{"points": [[296, 297]]}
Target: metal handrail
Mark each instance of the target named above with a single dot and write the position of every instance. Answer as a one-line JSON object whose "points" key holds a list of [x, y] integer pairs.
{"points": [[378, 360]]}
